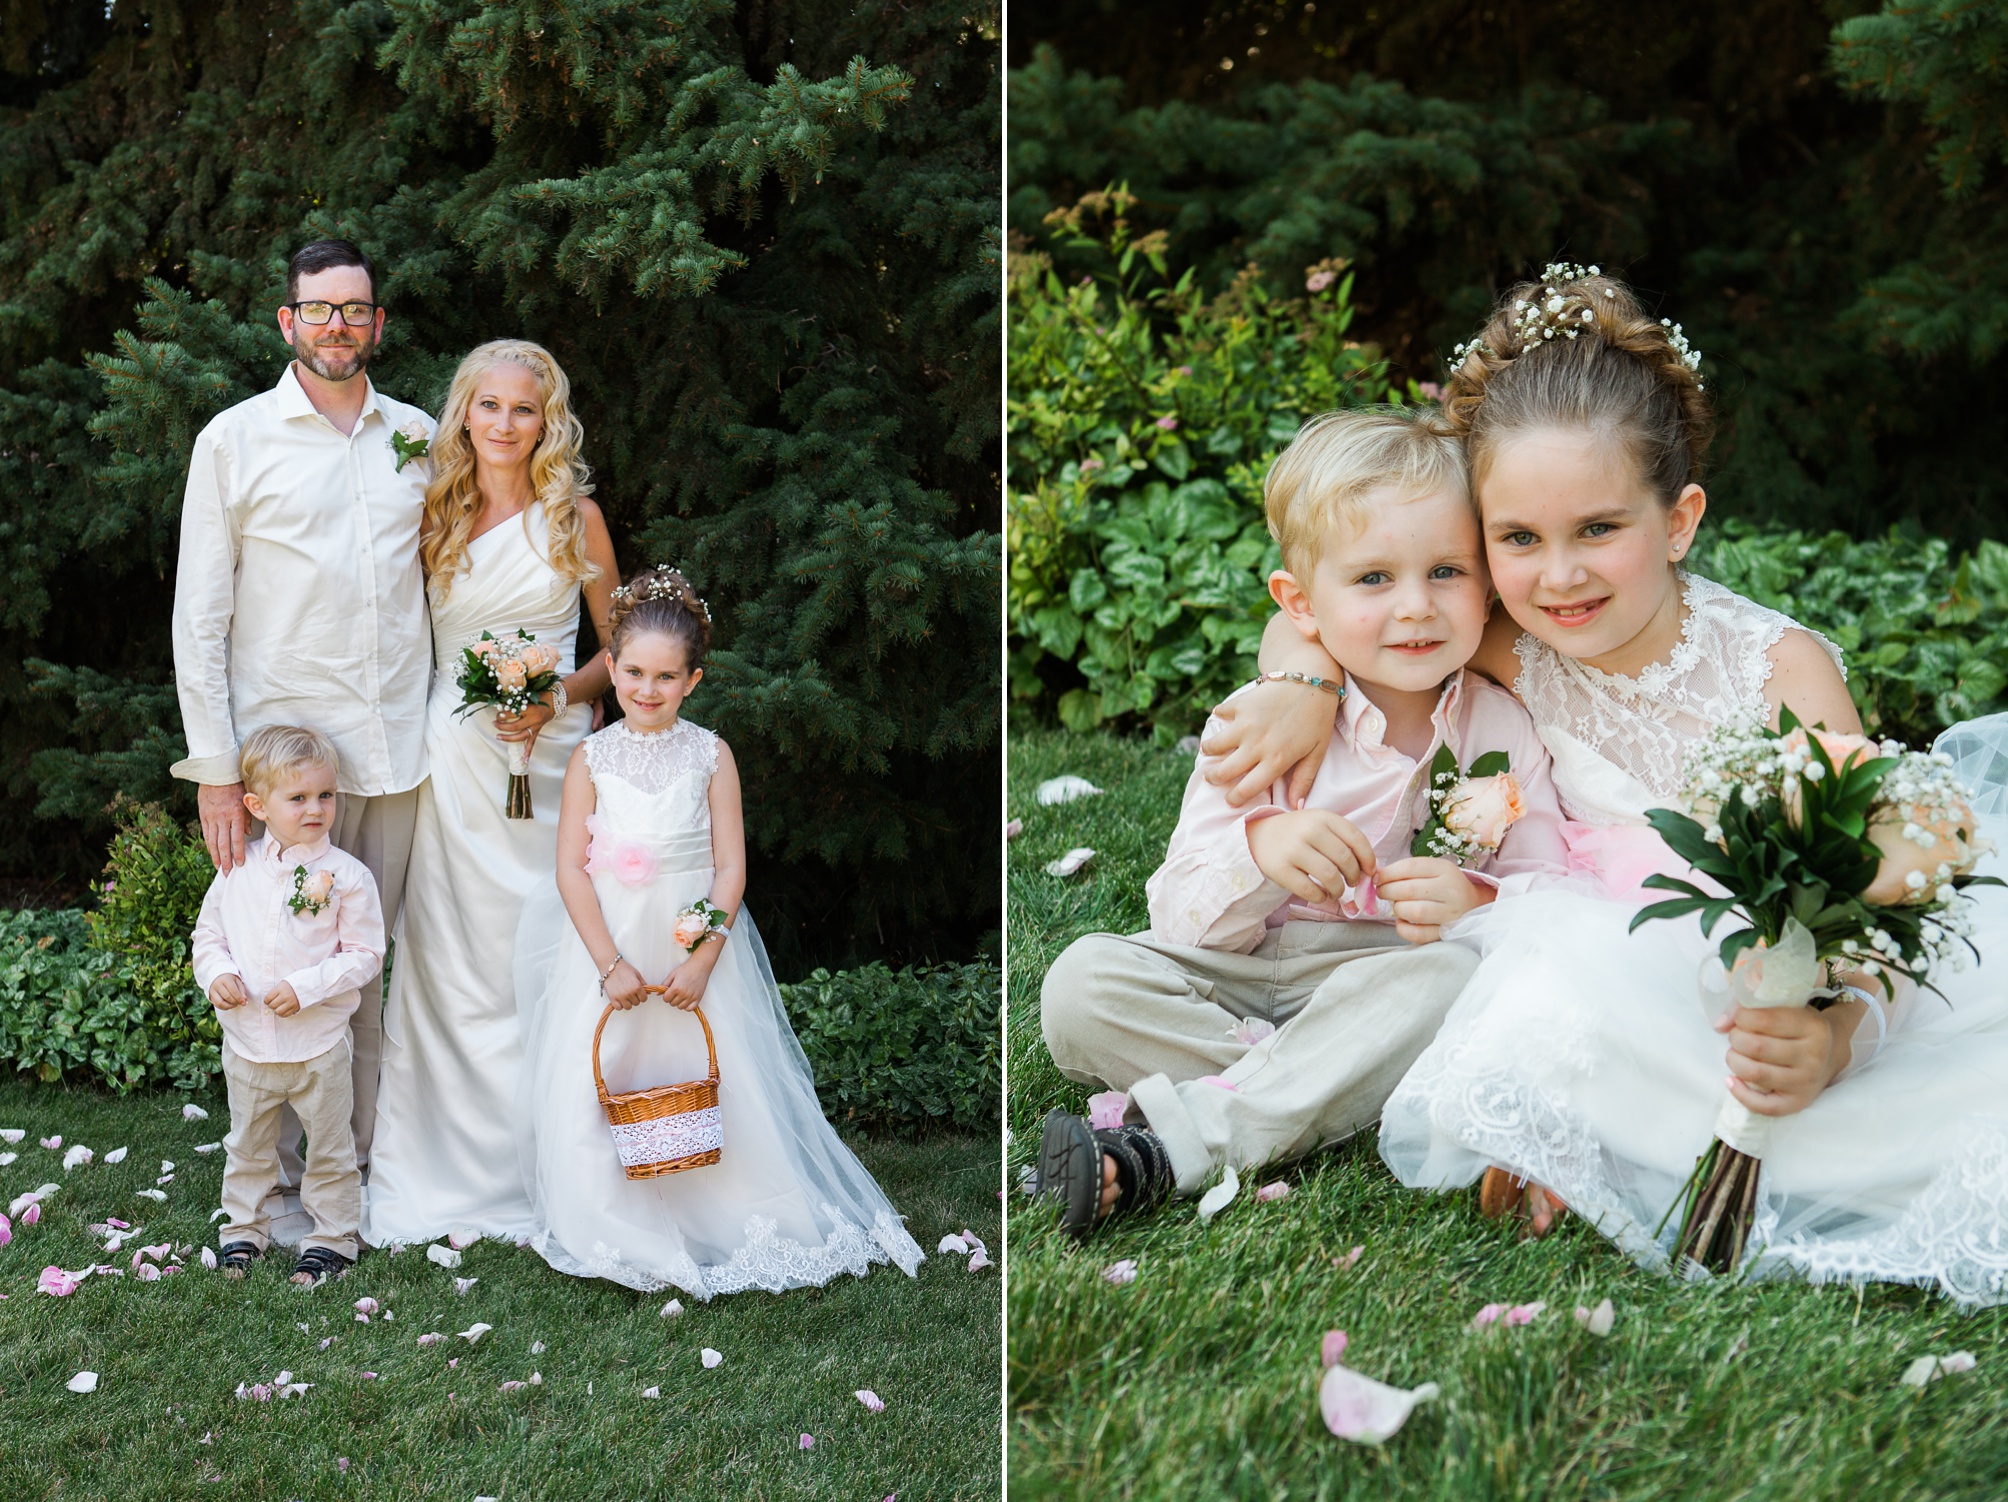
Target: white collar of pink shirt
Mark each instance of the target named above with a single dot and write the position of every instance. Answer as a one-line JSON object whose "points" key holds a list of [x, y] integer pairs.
{"points": [[294, 855], [1364, 728]]}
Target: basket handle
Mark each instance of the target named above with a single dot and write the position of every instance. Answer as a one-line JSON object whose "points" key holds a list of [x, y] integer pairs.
{"points": [[710, 1045]]}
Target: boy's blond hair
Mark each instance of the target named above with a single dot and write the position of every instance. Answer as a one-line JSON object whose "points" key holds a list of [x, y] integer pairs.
{"points": [[1315, 487], [270, 753]]}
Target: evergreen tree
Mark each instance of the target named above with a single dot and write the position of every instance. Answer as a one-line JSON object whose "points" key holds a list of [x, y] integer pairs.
{"points": [[1820, 205], [761, 239]]}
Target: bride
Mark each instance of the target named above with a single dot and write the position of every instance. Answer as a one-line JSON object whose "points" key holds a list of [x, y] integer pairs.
{"points": [[510, 540]]}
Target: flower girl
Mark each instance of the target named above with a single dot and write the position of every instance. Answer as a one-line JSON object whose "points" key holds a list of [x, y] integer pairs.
{"points": [[1580, 1059], [651, 869]]}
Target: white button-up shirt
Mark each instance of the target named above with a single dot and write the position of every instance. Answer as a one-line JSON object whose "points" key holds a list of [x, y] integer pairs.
{"points": [[247, 930], [1210, 894], [298, 598]]}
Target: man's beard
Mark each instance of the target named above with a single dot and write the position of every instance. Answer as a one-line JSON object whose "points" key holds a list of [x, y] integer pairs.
{"points": [[331, 364]]}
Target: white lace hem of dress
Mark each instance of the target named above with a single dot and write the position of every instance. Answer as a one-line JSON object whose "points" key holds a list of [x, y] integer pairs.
{"points": [[765, 1260], [1947, 1238]]}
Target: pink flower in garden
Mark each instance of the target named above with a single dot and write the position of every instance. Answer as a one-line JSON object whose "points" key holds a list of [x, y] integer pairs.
{"points": [[1184, 370], [1317, 281], [1167, 423], [1430, 390]]}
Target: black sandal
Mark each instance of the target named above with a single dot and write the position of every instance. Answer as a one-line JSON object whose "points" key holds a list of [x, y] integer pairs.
{"points": [[322, 1263], [235, 1260], [1070, 1169]]}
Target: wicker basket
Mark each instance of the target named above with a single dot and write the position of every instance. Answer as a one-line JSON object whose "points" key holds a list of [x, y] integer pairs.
{"points": [[668, 1128]]}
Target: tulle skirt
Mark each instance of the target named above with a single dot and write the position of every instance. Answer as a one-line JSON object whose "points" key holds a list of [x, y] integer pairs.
{"points": [[787, 1205], [1581, 1056]]}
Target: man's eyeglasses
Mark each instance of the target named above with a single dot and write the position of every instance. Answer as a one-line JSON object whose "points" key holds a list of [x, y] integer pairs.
{"points": [[355, 314]]}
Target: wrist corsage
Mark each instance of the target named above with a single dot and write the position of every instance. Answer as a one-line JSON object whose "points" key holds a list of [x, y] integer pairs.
{"points": [[699, 922], [311, 894]]}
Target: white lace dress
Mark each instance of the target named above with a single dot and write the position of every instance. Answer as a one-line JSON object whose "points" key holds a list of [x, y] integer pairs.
{"points": [[1582, 1057], [788, 1204]]}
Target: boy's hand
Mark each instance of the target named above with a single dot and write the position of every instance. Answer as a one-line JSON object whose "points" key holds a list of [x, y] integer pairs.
{"points": [[624, 986], [1780, 1058], [282, 1000], [228, 991], [1428, 894], [1311, 854], [688, 980]]}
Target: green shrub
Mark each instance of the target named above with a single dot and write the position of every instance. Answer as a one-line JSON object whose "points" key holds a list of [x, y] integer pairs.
{"points": [[908, 1048], [1140, 422]]}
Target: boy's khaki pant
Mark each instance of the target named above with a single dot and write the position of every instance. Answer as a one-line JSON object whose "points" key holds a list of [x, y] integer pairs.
{"points": [[1352, 1004], [318, 1091]]}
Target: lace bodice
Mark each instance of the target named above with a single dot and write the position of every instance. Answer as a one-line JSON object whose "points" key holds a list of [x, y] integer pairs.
{"points": [[1640, 728], [654, 784]]}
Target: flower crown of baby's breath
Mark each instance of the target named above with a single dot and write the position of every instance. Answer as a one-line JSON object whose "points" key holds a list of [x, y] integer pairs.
{"points": [[660, 582], [1546, 315]]}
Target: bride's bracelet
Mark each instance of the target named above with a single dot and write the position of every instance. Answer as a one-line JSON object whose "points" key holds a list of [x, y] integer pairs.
{"points": [[560, 700], [618, 957], [1876, 1010]]}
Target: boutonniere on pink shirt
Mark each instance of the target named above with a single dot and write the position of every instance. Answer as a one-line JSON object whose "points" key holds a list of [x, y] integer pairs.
{"points": [[1470, 813], [627, 862], [311, 894], [411, 442]]}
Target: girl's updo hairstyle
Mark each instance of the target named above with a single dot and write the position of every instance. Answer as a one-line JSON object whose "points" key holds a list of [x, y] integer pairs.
{"points": [[661, 602], [1575, 350]]}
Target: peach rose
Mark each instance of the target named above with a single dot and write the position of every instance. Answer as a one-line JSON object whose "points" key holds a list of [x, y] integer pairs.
{"points": [[1918, 853], [540, 659], [1483, 810], [510, 675], [319, 887], [1843, 751], [689, 929]]}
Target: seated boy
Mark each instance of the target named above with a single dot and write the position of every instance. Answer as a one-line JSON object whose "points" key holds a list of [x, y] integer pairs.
{"points": [[285, 942], [1289, 977]]}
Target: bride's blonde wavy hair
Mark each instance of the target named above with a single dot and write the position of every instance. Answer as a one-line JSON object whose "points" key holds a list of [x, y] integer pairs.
{"points": [[558, 476]]}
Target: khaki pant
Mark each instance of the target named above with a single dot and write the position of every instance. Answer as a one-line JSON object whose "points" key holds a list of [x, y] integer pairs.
{"points": [[1352, 1004], [378, 832], [317, 1093]]}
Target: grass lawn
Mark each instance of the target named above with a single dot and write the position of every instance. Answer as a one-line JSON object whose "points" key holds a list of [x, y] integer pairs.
{"points": [[1199, 1379], [170, 1354]]}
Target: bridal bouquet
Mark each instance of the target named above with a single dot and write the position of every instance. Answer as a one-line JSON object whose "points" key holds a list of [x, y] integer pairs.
{"points": [[1469, 812], [511, 673], [1838, 853]]}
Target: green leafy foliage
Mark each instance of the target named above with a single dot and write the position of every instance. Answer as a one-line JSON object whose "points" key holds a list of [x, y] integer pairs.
{"points": [[763, 244], [1141, 419], [916, 1048]]}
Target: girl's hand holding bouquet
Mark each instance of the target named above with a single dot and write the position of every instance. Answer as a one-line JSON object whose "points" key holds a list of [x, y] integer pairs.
{"points": [[1842, 857], [511, 673]]}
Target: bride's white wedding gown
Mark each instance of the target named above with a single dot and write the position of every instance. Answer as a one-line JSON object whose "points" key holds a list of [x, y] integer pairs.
{"points": [[1581, 1056], [787, 1205], [445, 1153]]}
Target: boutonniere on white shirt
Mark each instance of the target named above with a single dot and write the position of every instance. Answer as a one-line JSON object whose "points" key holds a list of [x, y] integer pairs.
{"points": [[311, 894], [411, 442], [1469, 813]]}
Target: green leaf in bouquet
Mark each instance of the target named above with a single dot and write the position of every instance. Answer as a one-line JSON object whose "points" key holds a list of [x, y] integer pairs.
{"points": [[1491, 764]]}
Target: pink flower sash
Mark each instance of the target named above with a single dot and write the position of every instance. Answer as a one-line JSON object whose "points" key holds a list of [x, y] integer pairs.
{"points": [[629, 862]]}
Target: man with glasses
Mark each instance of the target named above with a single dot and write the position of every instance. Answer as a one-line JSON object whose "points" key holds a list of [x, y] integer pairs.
{"points": [[299, 599]]}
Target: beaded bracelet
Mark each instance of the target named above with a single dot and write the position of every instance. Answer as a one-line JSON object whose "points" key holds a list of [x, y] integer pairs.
{"points": [[609, 970], [560, 700], [1336, 690]]}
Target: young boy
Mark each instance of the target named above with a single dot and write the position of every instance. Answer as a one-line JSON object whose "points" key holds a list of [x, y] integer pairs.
{"points": [[284, 944], [1289, 977]]}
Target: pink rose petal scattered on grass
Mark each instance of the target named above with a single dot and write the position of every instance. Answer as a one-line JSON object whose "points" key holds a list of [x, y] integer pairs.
{"points": [[953, 1243], [978, 1261], [31, 1215], [148, 1273], [1121, 1272], [6, 1230], [1276, 1191], [209, 1259], [1525, 1314], [83, 1382], [342, 1464], [672, 1309], [709, 1357], [432, 1338], [1013, 828], [1105, 1111], [870, 1399], [56, 1282], [1597, 1321], [193, 1112], [12, 1135], [116, 1155], [366, 1306], [806, 1442], [1367, 1412], [52, 1143], [461, 1285], [646, 1392], [514, 1386], [462, 1239], [1331, 1348]]}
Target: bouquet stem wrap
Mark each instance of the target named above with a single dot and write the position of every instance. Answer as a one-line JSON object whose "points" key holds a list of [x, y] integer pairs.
{"points": [[1720, 1198], [517, 804]]}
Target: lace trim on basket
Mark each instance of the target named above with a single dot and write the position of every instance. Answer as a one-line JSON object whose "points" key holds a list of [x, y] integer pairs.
{"points": [[665, 1138]]}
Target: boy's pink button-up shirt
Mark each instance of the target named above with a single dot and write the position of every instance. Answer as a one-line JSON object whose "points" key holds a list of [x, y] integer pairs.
{"points": [[1210, 894], [246, 929]]}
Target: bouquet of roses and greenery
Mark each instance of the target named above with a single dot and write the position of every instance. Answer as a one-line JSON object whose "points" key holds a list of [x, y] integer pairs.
{"points": [[511, 673], [1839, 854]]}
